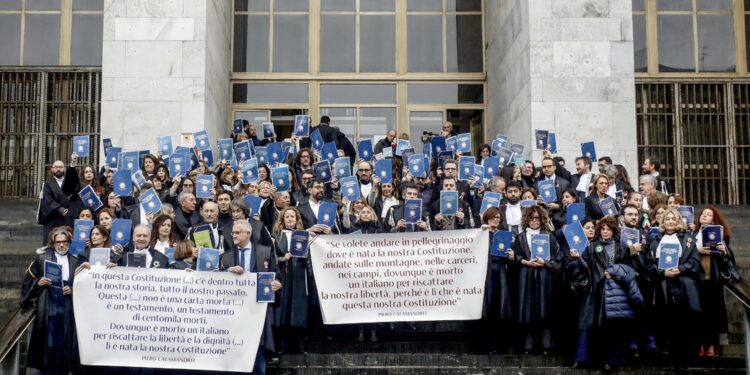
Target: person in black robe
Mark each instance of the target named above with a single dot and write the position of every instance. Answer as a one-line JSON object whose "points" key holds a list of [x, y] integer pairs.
{"points": [[55, 197], [600, 186], [367, 223], [53, 348]]}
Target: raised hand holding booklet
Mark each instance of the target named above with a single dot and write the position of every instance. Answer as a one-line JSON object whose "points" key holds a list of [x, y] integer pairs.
{"points": [[364, 149], [268, 131], [122, 183], [448, 202], [575, 212], [253, 204], [491, 166], [542, 138], [384, 170], [121, 231], [204, 185], [89, 198], [250, 171], [323, 170], [588, 150], [150, 201], [301, 126], [350, 188], [82, 229], [547, 190], [575, 236], [412, 210], [490, 199], [466, 167], [687, 214], [280, 178], [629, 237], [342, 167], [463, 143], [81, 146], [607, 205], [165, 144]]}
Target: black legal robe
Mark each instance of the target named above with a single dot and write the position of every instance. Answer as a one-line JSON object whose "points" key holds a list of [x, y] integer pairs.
{"points": [[54, 200], [291, 310], [536, 285]]}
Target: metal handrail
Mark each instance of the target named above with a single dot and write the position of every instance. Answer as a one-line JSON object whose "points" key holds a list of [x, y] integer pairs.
{"points": [[741, 291], [14, 328]]}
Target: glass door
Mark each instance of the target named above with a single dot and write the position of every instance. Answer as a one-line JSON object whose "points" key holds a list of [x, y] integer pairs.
{"points": [[424, 121]]}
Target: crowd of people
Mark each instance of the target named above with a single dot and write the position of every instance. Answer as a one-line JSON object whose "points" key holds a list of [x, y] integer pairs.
{"points": [[604, 306]]}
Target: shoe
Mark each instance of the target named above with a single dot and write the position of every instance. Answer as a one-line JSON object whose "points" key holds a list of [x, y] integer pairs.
{"points": [[373, 337], [361, 336], [575, 365], [701, 352], [710, 352], [607, 367]]}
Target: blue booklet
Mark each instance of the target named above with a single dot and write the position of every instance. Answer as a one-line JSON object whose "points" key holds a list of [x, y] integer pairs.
{"points": [[350, 188], [416, 165], [503, 139], [81, 146], [495, 147], [547, 190], [387, 152], [316, 140], [491, 166], [150, 201], [653, 232], [253, 204], [463, 143], [242, 151], [575, 236], [179, 164], [552, 143], [575, 212], [238, 127], [261, 153], [122, 183], [327, 213], [226, 149], [129, 160], [341, 167], [669, 256], [519, 160], [287, 148], [280, 178], [526, 203], [120, 231], [138, 179], [268, 131], [687, 214], [107, 144], [588, 150], [275, 153], [490, 199], [542, 139], [607, 205], [53, 272], [629, 237], [250, 171], [77, 247], [438, 144], [504, 156], [89, 198], [517, 148], [82, 229], [406, 153], [208, 259], [301, 126], [501, 242], [712, 235], [165, 144], [478, 175], [204, 185], [450, 144], [299, 243], [443, 156], [401, 145], [137, 260], [384, 171], [265, 287], [182, 150], [466, 167], [323, 170], [329, 152], [427, 151], [201, 140], [412, 210], [99, 256], [364, 149], [113, 156], [169, 252], [448, 202], [540, 246]]}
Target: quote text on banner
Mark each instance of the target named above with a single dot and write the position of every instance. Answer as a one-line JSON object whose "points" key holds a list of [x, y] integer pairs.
{"points": [[139, 317], [392, 277]]}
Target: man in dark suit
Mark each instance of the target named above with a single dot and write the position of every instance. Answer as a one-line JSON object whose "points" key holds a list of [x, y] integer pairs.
{"points": [[548, 173], [210, 217], [252, 257], [458, 221], [139, 245], [239, 213], [582, 179], [309, 210], [450, 170], [185, 215], [394, 220], [331, 134], [54, 199]]}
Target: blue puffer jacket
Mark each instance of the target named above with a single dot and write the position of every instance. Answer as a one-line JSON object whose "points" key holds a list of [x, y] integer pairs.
{"points": [[621, 293]]}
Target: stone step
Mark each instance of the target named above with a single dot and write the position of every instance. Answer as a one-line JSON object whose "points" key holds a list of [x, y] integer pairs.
{"points": [[386, 345], [489, 371], [12, 268]]}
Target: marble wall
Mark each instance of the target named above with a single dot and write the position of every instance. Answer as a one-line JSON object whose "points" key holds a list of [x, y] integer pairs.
{"points": [[565, 66], [165, 69]]}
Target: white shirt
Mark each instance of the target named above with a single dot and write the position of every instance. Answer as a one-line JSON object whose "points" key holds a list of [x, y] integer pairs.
{"points": [[387, 204], [62, 260], [315, 207], [161, 246], [583, 183], [365, 189], [669, 239], [513, 214], [148, 256], [59, 181], [612, 191]]}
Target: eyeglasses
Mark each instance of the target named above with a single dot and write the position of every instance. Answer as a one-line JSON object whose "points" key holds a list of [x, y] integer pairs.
{"points": [[304, 156], [495, 218], [365, 170], [62, 242], [537, 218]]}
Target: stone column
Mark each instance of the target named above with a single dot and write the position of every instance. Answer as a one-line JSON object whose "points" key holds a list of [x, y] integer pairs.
{"points": [[565, 66], [165, 70]]}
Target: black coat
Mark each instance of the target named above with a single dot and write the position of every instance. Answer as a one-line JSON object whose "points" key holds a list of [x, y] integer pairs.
{"points": [[536, 285], [593, 210], [184, 221], [260, 235], [560, 185], [680, 292], [713, 303], [54, 200], [158, 260], [396, 214], [291, 311], [497, 295], [462, 207]]}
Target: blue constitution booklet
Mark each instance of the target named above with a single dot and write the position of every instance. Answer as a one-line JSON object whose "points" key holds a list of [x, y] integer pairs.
{"points": [[253, 204], [463, 143], [712, 235], [607, 205], [81, 145], [275, 153], [687, 214], [384, 170], [478, 175], [653, 232], [416, 165], [139, 179], [490, 199], [364, 149], [401, 145], [491, 166], [261, 153], [526, 203], [299, 243], [552, 143], [129, 160], [542, 139], [350, 188], [107, 144], [669, 256], [77, 247], [99, 256], [323, 170], [342, 167], [629, 237], [82, 229], [265, 289], [412, 210], [575, 236], [121, 231], [301, 126], [280, 178], [448, 202], [204, 185], [226, 149], [267, 130], [113, 156], [466, 167], [250, 170], [503, 139], [242, 151], [443, 156], [201, 140], [329, 152], [406, 153], [238, 126], [53, 272], [122, 183], [547, 190], [588, 150], [150, 201], [540, 246], [450, 144], [316, 140], [179, 164], [137, 260], [208, 259], [575, 212], [501, 242], [208, 157], [169, 252], [438, 144], [327, 213], [89, 198], [165, 144], [517, 148], [504, 156]]}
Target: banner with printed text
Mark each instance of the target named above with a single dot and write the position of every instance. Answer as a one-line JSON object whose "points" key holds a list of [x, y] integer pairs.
{"points": [[138, 317], [422, 276]]}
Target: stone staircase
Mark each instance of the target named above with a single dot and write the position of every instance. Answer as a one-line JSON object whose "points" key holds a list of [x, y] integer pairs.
{"points": [[20, 235]]}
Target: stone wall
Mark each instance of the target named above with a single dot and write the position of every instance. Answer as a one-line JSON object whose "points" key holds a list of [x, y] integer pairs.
{"points": [[165, 69]]}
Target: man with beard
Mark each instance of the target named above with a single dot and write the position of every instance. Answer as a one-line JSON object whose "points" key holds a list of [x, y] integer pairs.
{"points": [[450, 170], [224, 198], [512, 208], [309, 210], [385, 142], [394, 220], [651, 166], [582, 179], [54, 199], [364, 175], [459, 221]]}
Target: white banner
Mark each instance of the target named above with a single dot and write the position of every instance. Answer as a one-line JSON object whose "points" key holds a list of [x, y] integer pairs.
{"points": [[393, 277], [138, 317]]}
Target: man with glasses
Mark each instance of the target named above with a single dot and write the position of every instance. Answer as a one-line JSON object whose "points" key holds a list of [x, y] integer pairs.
{"points": [[386, 142], [450, 170], [55, 196], [458, 221], [309, 210], [548, 173], [185, 215], [447, 130], [394, 219], [364, 175]]}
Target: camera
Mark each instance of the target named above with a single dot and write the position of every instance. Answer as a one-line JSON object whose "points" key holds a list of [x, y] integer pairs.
{"points": [[427, 136]]}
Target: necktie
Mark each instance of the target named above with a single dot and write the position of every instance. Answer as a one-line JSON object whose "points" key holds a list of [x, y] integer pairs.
{"points": [[242, 258]]}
